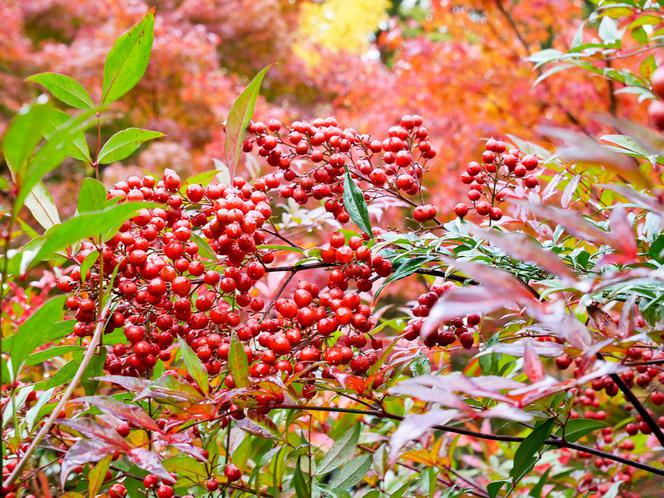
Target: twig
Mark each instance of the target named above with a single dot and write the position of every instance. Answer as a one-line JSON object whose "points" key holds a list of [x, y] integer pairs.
{"points": [[99, 330], [552, 441]]}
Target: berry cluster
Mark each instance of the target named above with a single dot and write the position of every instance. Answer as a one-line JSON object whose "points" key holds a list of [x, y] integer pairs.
{"points": [[457, 329], [165, 289], [491, 182], [393, 166]]}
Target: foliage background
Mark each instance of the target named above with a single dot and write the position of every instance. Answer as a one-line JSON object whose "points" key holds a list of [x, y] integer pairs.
{"points": [[462, 64]]}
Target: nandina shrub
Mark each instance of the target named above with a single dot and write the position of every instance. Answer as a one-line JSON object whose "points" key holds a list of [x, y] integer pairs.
{"points": [[199, 342]]}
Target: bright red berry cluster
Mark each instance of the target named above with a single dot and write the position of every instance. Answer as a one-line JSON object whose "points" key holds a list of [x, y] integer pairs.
{"points": [[393, 166], [457, 329], [490, 183]]}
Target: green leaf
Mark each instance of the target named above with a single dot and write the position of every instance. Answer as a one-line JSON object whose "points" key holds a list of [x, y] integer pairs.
{"points": [[33, 332], [56, 331], [64, 88], [238, 119], [494, 487], [351, 473], [83, 226], [124, 143], [52, 153], [238, 362], [404, 269], [341, 452], [40, 203], [98, 474], [128, 59], [576, 428], [536, 490], [94, 369], [87, 264], [204, 248], [194, 365], [24, 133], [355, 204], [47, 354], [91, 196], [298, 482], [78, 148], [524, 458], [61, 377]]}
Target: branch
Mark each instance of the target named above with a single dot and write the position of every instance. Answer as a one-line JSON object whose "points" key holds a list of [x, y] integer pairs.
{"points": [[96, 338], [552, 441], [631, 397]]}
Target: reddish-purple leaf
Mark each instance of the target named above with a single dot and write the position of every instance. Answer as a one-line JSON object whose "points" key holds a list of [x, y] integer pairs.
{"points": [[645, 201], [82, 452], [522, 247], [570, 189], [424, 393], [571, 221], [461, 301], [132, 384], [516, 348], [414, 426], [532, 365], [150, 462], [623, 240], [130, 413], [507, 412], [93, 429], [579, 148]]}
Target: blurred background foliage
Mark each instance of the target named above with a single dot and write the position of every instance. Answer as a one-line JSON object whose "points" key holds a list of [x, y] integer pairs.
{"points": [[461, 64]]}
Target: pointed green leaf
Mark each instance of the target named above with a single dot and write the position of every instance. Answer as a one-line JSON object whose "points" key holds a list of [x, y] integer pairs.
{"points": [[91, 196], [194, 365], [78, 148], [238, 362], [298, 483], [355, 204], [40, 203], [64, 88], [52, 153], [87, 263], [85, 225], [34, 331], [124, 143], [351, 473], [524, 458], [128, 59], [24, 133], [341, 452], [576, 428], [238, 119]]}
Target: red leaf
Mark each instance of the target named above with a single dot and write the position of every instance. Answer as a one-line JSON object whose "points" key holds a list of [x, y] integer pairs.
{"points": [[413, 426], [507, 412], [572, 222], [93, 429], [150, 462], [133, 384], [130, 413], [82, 452], [532, 365], [522, 247]]}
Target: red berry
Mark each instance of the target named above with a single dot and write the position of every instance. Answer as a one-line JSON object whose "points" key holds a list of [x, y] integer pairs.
{"points": [[165, 491], [231, 472], [117, 490]]}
